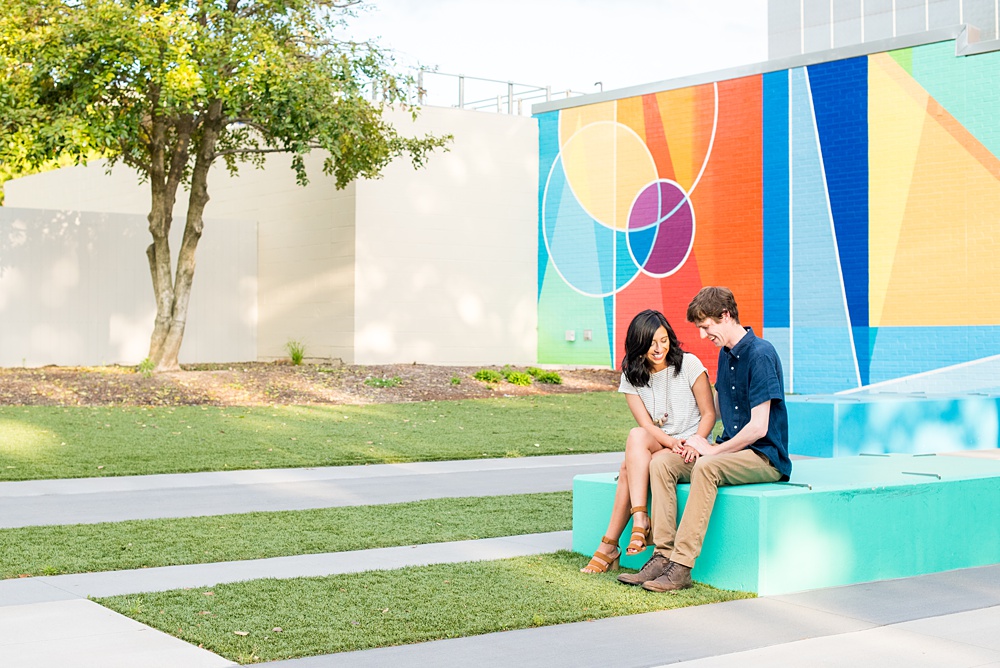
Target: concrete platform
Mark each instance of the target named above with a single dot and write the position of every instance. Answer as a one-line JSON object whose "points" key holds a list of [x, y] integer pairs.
{"points": [[838, 521], [846, 425]]}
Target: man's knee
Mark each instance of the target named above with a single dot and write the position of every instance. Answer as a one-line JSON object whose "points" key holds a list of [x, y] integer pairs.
{"points": [[708, 467]]}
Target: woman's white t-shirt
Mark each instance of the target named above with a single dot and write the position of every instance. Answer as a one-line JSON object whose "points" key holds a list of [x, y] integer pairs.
{"points": [[671, 396]]}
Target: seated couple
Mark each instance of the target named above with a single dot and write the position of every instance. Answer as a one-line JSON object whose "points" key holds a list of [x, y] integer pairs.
{"points": [[669, 394]]}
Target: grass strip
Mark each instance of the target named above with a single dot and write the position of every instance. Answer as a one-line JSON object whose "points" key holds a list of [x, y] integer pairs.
{"points": [[38, 442], [265, 620], [82, 548]]}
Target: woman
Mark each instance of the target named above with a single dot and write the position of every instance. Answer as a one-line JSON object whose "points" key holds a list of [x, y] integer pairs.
{"points": [[670, 397]]}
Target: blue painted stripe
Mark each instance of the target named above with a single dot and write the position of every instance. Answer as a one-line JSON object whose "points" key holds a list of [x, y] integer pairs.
{"points": [[821, 336], [548, 151], [840, 98], [775, 129], [938, 347]]}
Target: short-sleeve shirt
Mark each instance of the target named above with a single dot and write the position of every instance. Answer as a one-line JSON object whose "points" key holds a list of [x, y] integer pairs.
{"points": [[750, 374], [670, 395]]}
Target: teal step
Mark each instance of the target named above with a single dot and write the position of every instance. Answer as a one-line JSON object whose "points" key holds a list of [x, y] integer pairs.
{"points": [[842, 521]]}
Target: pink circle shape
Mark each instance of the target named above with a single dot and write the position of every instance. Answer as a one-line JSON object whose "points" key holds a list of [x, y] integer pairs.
{"points": [[661, 228]]}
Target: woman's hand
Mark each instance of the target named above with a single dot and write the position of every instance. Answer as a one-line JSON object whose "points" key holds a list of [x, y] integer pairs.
{"points": [[688, 453]]}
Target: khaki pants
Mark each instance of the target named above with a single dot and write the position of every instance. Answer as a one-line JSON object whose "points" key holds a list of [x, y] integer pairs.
{"points": [[706, 474]]}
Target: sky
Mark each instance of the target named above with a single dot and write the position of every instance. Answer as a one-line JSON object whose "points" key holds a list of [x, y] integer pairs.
{"points": [[565, 44]]}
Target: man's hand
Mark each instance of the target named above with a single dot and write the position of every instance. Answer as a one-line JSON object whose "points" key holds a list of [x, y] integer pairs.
{"points": [[699, 445]]}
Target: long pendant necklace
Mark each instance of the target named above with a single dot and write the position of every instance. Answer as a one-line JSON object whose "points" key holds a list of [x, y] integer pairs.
{"points": [[659, 422]]}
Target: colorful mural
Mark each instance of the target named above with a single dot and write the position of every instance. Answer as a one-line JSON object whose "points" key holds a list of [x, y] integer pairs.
{"points": [[851, 206]]}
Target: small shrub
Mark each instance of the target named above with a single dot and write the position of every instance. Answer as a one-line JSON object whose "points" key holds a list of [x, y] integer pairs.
{"points": [[145, 367], [455, 380], [543, 376], [488, 376], [518, 378], [296, 350], [384, 382]]}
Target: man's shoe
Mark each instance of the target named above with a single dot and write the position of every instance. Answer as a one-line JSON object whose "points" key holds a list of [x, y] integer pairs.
{"points": [[653, 569], [676, 576]]}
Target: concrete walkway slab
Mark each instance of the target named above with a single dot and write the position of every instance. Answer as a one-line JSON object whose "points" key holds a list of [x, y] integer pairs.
{"points": [[887, 647], [114, 583], [93, 500], [83, 634]]}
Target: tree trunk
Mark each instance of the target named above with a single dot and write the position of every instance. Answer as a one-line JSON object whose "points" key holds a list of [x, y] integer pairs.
{"points": [[172, 302]]}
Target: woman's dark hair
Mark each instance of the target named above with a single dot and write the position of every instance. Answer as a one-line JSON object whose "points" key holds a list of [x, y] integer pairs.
{"points": [[638, 340]]}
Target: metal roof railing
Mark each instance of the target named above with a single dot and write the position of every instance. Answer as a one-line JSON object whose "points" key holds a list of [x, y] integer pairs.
{"points": [[491, 95]]}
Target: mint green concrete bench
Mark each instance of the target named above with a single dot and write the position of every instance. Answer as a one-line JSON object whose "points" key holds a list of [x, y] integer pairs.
{"points": [[838, 521]]}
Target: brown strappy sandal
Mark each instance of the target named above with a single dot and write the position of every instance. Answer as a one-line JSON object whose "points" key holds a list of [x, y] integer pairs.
{"points": [[600, 562], [640, 535]]}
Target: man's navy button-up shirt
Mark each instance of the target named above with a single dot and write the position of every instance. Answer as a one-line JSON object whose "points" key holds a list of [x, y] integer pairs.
{"points": [[748, 375]]}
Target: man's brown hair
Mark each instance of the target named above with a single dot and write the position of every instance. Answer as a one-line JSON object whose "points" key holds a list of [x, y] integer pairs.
{"points": [[712, 302]]}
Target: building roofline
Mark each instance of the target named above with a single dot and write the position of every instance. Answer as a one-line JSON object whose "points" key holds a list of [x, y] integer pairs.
{"points": [[966, 44]]}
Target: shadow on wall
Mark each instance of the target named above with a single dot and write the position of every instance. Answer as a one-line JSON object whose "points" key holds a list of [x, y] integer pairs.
{"points": [[75, 290]]}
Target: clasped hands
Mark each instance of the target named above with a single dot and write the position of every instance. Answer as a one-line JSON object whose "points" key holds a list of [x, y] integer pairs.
{"points": [[691, 448]]}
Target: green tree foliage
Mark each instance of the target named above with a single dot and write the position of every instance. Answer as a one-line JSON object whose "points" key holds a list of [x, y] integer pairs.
{"points": [[169, 87]]}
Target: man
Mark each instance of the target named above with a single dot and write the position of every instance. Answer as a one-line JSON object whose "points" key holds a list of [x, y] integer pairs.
{"points": [[753, 447]]}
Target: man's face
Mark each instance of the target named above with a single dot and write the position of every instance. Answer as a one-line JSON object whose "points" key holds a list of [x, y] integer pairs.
{"points": [[712, 329]]}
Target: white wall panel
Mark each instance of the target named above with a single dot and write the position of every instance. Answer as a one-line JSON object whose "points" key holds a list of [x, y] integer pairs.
{"points": [[75, 290], [447, 256]]}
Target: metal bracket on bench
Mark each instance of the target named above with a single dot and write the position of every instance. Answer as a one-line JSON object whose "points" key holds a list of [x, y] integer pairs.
{"points": [[929, 475], [795, 484]]}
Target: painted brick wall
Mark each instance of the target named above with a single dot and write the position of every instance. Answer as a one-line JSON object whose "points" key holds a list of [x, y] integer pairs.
{"points": [[851, 205]]}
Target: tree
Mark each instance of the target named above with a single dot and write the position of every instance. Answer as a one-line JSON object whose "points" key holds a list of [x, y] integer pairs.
{"points": [[169, 87]]}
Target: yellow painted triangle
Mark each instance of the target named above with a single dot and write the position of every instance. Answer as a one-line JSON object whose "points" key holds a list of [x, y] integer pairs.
{"points": [[630, 115], [896, 114], [945, 271], [574, 119]]}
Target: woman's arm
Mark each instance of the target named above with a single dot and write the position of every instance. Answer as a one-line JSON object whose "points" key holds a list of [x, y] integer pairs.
{"points": [[642, 418]]}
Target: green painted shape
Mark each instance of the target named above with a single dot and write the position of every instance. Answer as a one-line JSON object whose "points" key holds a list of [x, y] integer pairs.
{"points": [[863, 519], [905, 59], [561, 308], [967, 87]]}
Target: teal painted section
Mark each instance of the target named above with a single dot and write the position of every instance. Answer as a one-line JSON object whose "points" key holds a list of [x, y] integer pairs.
{"points": [[811, 427], [842, 426], [852, 520], [965, 87]]}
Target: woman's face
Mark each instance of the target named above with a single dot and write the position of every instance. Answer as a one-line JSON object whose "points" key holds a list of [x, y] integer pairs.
{"points": [[656, 356]]}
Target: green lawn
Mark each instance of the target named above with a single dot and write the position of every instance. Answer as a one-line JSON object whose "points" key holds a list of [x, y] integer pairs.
{"points": [[266, 620], [38, 442], [166, 542]]}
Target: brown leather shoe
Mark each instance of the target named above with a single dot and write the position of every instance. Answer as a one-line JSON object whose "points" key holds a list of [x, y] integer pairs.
{"points": [[653, 569], [676, 576]]}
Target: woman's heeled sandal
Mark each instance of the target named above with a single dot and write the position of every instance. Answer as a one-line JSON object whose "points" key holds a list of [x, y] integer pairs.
{"points": [[600, 562], [640, 535]]}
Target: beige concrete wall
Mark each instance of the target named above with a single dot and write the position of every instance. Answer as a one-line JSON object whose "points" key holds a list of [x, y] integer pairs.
{"points": [[305, 267], [435, 265], [75, 290], [447, 256]]}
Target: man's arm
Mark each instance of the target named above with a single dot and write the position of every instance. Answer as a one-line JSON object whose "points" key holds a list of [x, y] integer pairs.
{"points": [[752, 432]]}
